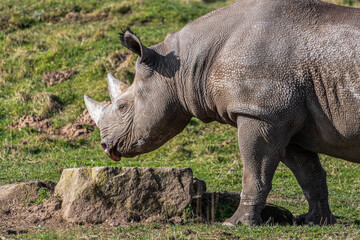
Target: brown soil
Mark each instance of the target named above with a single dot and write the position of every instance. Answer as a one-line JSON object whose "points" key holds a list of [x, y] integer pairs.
{"points": [[82, 128], [73, 16], [96, 16], [25, 218], [20, 210], [90, 17], [39, 123], [52, 78], [20, 217]]}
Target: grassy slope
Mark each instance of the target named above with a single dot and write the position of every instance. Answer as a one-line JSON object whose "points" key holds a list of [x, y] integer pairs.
{"points": [[40, 40]]}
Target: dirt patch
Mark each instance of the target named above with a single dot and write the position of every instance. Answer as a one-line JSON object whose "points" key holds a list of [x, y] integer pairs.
{"points": [[76, 17], [95, 16], [75, 131], [73, 17], [39, 123], [52, 78], [26, 218], [82, 128], [24, 206], [20, 218]]}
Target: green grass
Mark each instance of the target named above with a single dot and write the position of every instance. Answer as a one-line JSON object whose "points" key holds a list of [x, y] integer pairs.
{"points": [[37, 38], [195, 231]]}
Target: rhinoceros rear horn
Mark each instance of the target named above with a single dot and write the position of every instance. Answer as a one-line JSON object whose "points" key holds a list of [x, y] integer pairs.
{"points": [[116, 87], [95, 108], [133, 43]]}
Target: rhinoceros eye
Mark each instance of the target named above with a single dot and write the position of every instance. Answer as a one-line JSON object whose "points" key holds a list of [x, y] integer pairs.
{"points": [[121, 106]]}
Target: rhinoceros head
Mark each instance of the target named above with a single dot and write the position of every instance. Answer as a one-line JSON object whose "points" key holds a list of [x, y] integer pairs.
{"points": [[143, 116]]}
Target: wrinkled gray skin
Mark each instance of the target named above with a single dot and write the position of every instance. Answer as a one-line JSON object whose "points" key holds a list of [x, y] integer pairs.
{"points": [[284, 72]]}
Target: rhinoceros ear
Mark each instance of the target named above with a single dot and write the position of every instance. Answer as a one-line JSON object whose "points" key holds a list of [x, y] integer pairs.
{"points": [[116, 87], [133, 43], [95, 108]]}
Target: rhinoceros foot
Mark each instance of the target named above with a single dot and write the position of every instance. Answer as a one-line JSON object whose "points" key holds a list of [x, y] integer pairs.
{"points": [[246, 215], [312, 218], [233, 221]]}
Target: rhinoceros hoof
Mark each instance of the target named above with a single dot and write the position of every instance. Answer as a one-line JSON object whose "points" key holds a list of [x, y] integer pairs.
{"points": [[314, 219], [244, 219], [247, 222], [270, 214]]}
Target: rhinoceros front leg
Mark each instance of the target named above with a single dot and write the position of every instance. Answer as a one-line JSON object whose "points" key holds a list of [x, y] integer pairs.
{"points": [[262, 147], [311, 176]]}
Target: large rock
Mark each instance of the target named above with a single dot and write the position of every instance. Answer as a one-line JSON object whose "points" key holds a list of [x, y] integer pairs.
{"points": [[93, 195]]}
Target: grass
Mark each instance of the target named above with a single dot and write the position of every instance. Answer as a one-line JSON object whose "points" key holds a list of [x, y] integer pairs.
{"points": [[38, 37], [195, 231]]}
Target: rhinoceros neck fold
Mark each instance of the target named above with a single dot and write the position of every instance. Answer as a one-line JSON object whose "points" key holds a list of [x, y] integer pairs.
{"points": [[198, 52]]}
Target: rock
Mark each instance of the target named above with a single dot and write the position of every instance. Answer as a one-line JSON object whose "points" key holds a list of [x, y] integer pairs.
{"points": [[94, 195], [22, 193]]}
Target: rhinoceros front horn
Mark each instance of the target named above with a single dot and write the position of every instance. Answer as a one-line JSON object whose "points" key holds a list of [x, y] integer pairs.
{"points": [[95, 108], [116, 87]]}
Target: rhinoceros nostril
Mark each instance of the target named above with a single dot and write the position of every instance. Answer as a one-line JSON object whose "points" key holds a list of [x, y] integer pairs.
{"points": [[104, 147]]}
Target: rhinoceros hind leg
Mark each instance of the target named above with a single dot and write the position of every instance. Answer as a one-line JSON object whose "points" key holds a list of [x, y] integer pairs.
{"points": [[312, 178]]}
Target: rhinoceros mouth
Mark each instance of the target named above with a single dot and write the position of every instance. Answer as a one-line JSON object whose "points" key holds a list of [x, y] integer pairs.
{"points": [[115, 157], [112, 153]]}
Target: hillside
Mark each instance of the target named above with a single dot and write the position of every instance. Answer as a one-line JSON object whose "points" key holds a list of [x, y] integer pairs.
{"points": [[52, 52]]}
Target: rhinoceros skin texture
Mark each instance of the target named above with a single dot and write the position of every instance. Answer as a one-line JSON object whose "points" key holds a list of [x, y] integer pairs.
{"points": [[285, 73]]}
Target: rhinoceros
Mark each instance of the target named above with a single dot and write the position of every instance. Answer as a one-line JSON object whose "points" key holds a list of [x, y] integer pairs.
{"points": [[285, 73]]}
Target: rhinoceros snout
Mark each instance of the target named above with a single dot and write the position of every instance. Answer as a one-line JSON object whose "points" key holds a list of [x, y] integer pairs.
{"points": [[111, 152]]}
